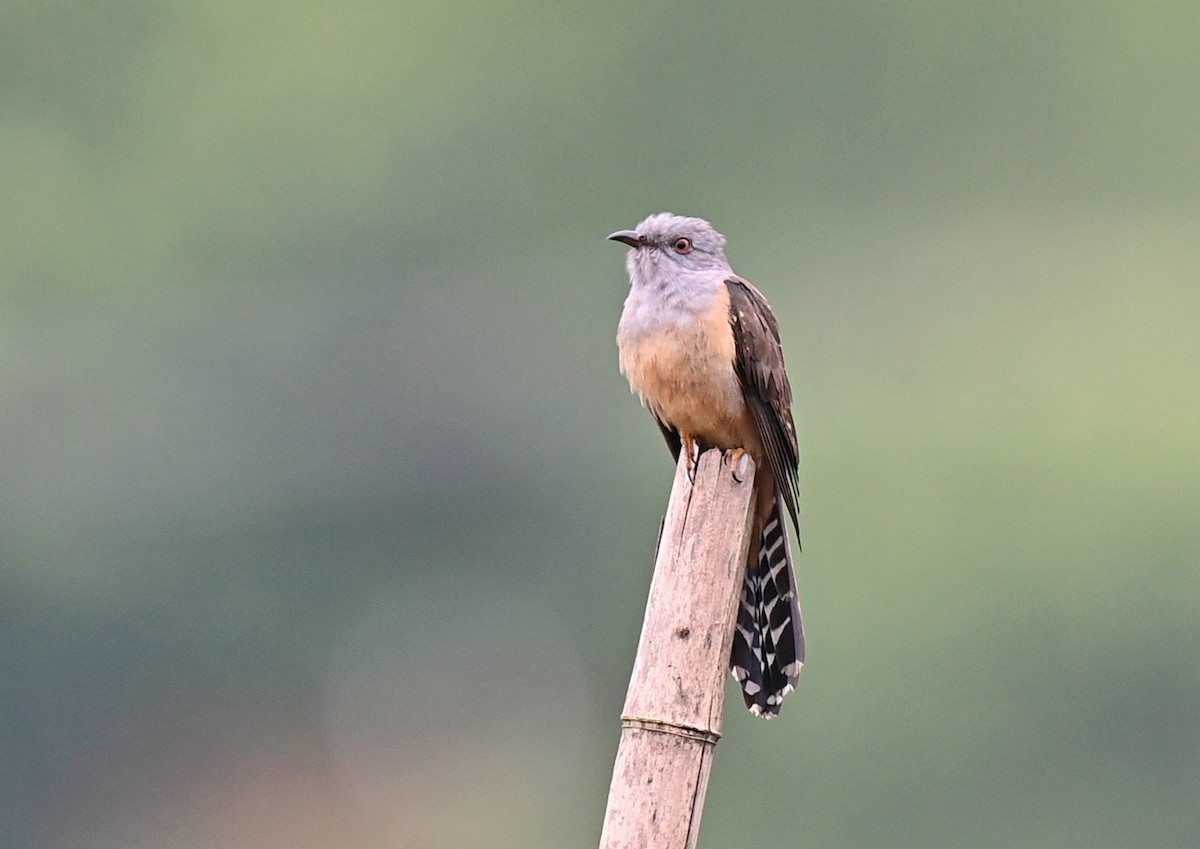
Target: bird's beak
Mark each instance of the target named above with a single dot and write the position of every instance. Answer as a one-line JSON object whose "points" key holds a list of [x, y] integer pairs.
{"points": [[629, 237]]}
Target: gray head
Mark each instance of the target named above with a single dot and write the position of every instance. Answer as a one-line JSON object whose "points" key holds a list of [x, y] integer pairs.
{"points": [[666, 244]]}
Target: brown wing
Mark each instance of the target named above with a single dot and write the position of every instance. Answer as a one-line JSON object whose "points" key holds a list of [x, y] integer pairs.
{"points": [[765, 386]]}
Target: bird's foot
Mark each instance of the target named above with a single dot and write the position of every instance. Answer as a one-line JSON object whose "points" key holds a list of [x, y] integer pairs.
{"points": [[737, 458], [691, 455]]}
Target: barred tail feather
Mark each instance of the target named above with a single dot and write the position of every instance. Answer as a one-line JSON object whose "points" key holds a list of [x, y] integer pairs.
{"points": [[768, 641]]}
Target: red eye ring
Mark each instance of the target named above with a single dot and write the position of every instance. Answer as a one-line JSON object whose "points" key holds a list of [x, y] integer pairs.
{"points": [[682, 245]]}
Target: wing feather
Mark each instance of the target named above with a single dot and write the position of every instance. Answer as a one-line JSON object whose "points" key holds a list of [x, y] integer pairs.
{"points": [[671, 435], [765, 388]]}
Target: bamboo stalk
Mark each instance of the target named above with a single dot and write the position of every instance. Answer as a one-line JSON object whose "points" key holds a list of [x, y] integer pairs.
{"points": [[672, 716]]}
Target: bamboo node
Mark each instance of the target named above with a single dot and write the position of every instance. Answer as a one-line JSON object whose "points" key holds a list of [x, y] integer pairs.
{"points": [[660, 727]]}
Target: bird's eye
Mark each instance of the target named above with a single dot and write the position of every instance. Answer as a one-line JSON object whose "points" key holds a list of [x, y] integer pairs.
{"points": [[682, 245]]}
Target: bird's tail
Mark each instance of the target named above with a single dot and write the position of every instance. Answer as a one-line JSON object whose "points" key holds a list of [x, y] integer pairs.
{"points": [[768, 642]]}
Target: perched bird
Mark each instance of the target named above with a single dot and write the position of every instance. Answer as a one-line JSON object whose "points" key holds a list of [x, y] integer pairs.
{"points": [[700, 346]]}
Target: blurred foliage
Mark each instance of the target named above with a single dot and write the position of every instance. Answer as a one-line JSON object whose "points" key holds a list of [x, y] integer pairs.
{"points": [[328, 519]]}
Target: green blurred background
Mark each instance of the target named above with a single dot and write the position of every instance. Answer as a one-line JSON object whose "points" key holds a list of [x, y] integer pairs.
{"points": [[327, 519]]}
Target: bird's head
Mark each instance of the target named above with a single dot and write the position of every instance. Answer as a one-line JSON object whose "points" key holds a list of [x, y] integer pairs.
{"points": [[665, 243]]}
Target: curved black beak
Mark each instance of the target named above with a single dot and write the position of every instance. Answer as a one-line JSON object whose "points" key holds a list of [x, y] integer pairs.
{"points": [[629, 237]]}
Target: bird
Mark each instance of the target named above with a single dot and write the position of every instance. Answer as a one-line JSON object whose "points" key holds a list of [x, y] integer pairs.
{"points": [[700, 347]]}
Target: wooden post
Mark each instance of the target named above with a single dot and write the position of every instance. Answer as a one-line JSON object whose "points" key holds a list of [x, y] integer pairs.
{"points": [[672, 716]]}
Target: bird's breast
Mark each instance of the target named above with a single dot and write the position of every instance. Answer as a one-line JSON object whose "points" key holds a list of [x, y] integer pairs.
{"points": [[680, 360]]}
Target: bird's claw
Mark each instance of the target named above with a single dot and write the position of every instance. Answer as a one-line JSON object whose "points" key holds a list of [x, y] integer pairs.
{"points": [[736, 458], [691, 456]]}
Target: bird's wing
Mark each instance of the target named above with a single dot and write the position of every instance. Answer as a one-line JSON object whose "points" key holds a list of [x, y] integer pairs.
{"points": [[671, 435], [765, 387]]}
